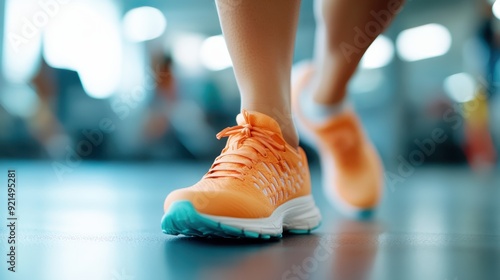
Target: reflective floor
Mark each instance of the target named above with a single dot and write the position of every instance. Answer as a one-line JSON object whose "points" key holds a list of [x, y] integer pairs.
{"points": [[102, 221]]}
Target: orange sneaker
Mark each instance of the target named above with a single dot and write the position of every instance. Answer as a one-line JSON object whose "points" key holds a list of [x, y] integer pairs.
{"points": [[259, 187], [351, 168]]}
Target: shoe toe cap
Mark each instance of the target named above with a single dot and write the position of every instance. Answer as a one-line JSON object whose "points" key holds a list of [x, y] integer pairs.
{"points": [[227, 203]]}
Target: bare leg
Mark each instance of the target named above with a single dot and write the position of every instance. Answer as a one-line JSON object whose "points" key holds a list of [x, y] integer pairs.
{"points": [[345, 30], [260, 37], [352, 169]]}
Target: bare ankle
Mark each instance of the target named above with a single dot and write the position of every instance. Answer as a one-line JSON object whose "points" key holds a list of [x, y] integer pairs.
{"points": [[329, 99], [284, 120], [329, 93], [291, 137], [287, 127]]}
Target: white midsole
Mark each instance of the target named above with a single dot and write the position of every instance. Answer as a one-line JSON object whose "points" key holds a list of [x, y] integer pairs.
{"points": [[297, 214]]}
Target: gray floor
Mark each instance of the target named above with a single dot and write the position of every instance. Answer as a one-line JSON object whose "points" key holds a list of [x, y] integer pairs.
{"points": [[102, 221]]}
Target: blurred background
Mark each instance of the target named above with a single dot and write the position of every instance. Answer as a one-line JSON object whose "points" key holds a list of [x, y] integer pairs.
{"points": [[152, 80]]}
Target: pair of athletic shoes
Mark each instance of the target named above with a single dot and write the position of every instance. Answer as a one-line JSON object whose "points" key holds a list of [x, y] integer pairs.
{"points": [[259, 186]]}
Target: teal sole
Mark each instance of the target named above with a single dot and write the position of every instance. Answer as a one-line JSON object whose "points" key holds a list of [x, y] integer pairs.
{"points": [[182, 218], [366, 214]]}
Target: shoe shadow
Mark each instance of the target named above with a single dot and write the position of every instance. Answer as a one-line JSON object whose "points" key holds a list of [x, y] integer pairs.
{"points": [[345, 251], [219, 258]]}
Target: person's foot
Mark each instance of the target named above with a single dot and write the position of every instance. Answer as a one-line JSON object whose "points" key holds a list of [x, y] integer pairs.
{"points": [[351, 167], [259, 187]]}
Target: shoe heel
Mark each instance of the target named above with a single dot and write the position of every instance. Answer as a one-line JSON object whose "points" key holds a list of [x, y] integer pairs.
{"points": [[302, 218]]}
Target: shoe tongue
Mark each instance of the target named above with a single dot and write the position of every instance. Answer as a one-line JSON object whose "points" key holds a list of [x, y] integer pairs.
{"points": [[259, 120]]}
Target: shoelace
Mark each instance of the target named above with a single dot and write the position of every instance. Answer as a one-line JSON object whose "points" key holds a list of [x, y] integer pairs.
{"points": [[230, 163]]}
